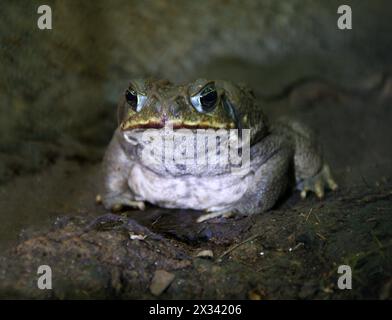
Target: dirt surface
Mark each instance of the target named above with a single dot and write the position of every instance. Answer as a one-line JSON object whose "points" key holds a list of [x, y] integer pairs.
{"points": [[292, 251]]}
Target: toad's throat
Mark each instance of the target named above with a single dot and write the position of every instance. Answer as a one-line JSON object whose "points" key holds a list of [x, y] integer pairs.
{"points": [[180, 124]]}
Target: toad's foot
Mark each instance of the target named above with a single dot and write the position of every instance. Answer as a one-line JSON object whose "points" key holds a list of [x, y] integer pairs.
{"points": [[215, 214], [120, 202], [318, 183]]}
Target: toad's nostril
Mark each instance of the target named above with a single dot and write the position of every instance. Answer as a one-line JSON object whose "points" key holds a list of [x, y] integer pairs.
{"points": [[164, 118], [174, 111]]}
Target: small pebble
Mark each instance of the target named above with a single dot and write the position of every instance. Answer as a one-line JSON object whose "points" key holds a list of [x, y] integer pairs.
{"points": [[98, 199], [255, 295], [205, 254], [133, 236]]}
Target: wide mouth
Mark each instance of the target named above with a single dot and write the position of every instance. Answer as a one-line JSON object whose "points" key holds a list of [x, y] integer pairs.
{"points": [[175, 125]]}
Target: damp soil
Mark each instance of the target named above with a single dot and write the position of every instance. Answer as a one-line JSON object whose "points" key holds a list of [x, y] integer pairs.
{"points": [[290, 252]]}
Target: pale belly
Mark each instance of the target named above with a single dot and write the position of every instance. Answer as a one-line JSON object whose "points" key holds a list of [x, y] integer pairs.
{"points": [[193, 192]]}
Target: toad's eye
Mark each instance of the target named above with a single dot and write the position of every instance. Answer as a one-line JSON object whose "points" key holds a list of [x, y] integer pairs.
{"points": [[206, 99], [135, 100]]}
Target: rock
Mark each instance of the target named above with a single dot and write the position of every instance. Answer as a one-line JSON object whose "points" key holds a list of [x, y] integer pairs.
{"points": [[161, 281]]}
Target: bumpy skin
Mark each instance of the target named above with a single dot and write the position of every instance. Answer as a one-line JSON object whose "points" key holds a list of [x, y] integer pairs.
{"points": [[279, 152]]}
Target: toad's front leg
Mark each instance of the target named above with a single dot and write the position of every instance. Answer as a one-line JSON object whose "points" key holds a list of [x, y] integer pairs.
{"points": [[312, 174], [117, 194]]}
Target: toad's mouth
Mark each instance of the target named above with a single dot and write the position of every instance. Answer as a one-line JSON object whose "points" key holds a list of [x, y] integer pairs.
{"points": [[174, 124]]}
